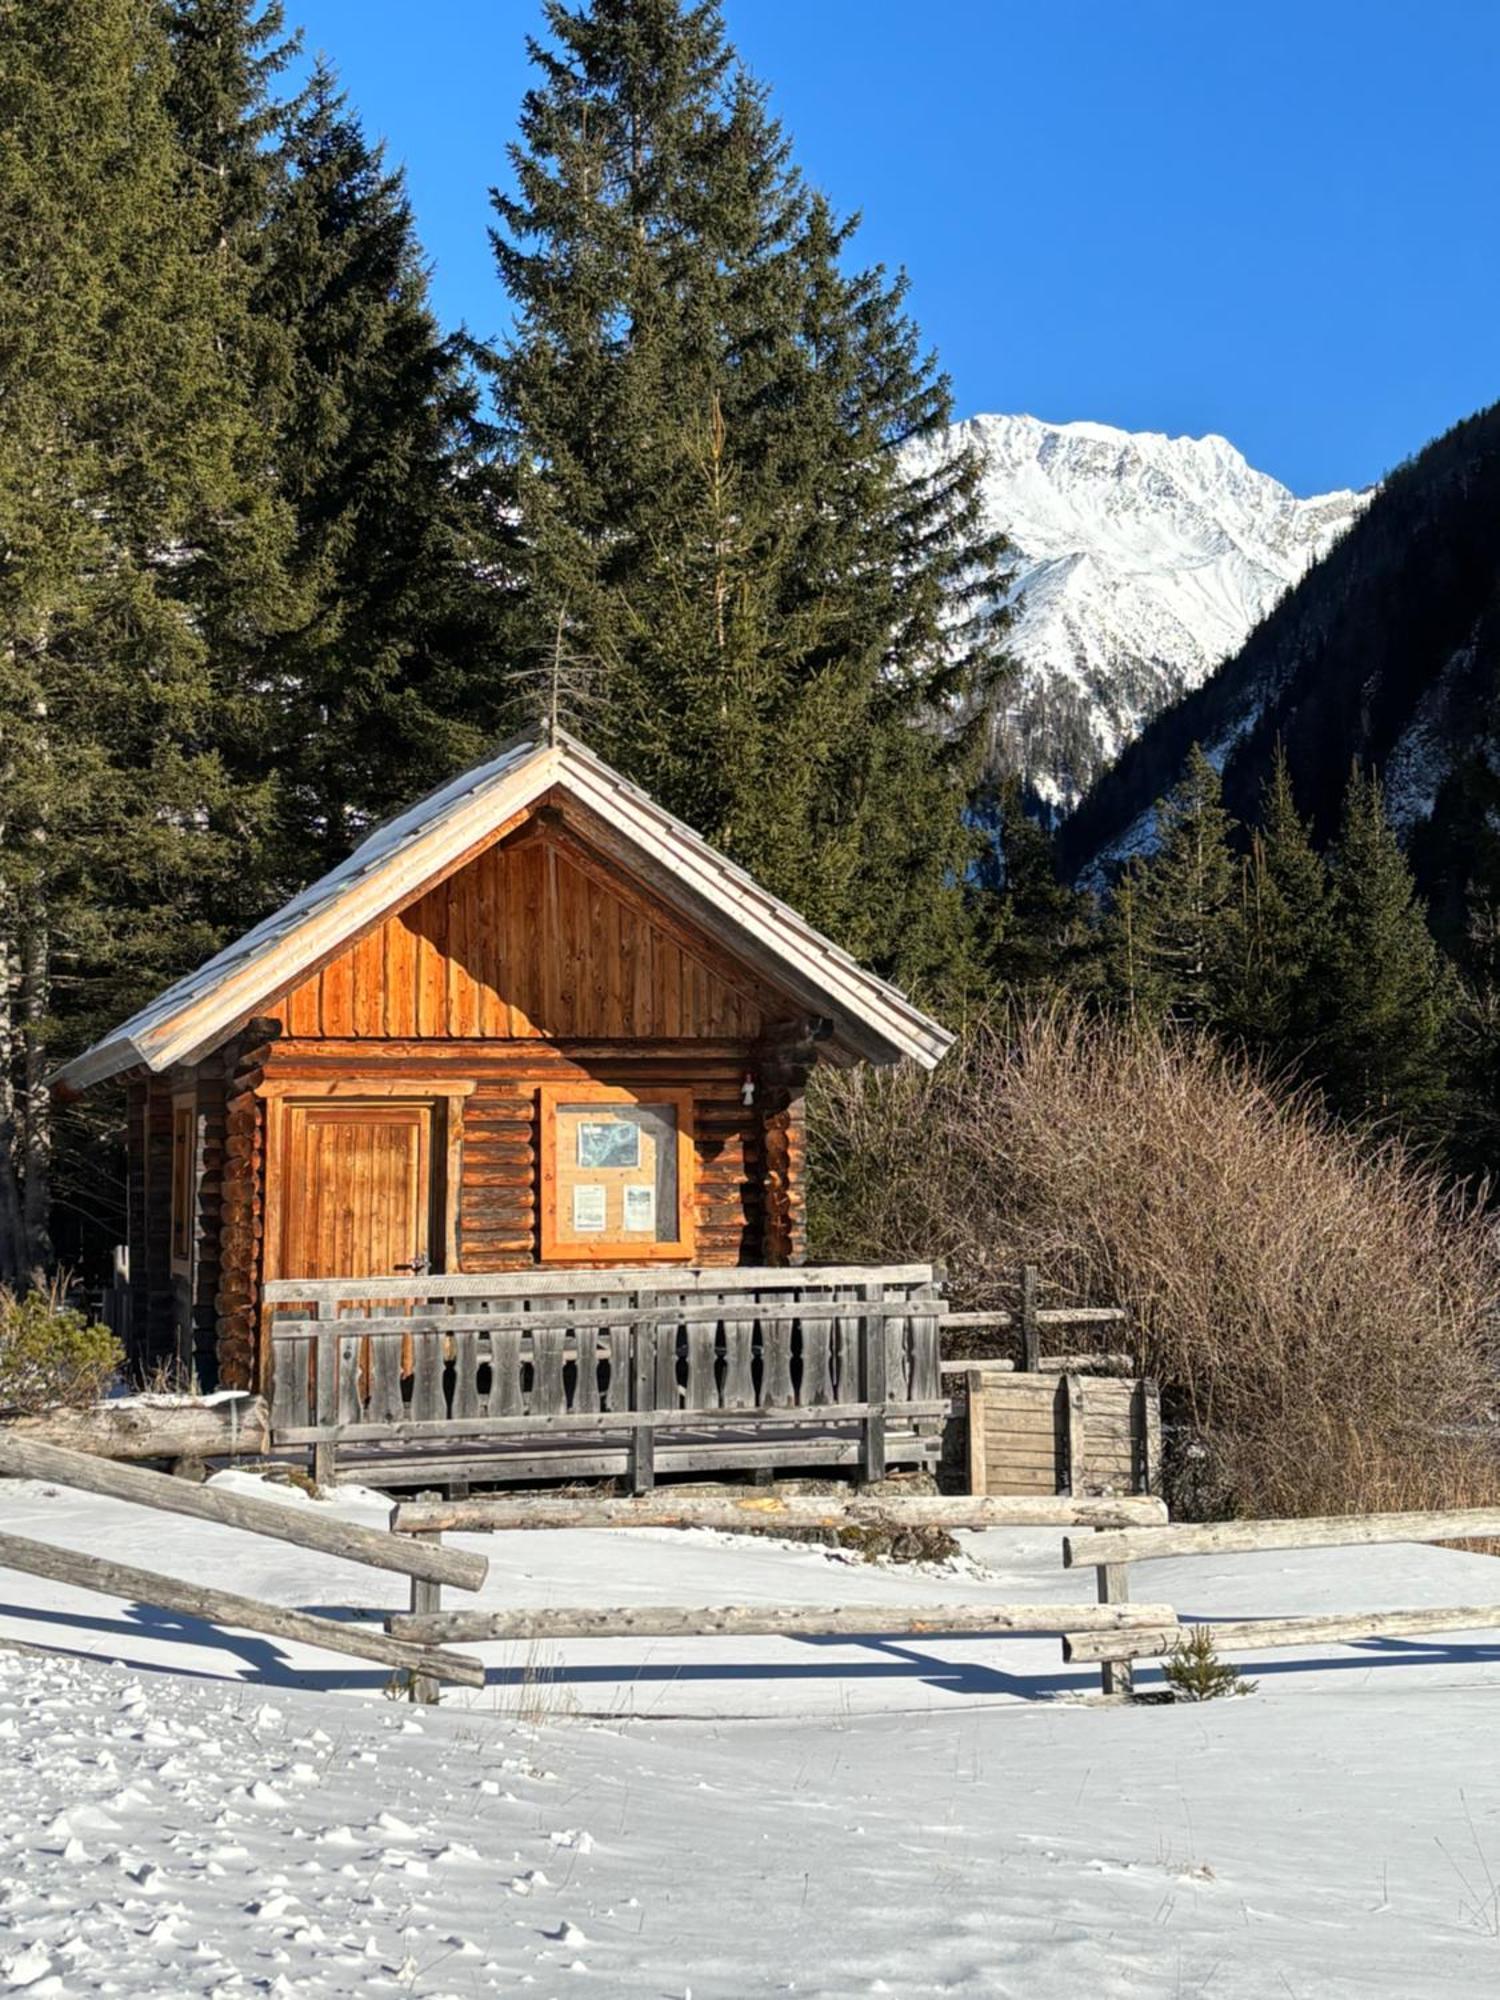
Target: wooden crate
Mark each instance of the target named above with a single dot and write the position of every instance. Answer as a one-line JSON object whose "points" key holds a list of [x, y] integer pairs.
{"points": [[1066, 1433]]}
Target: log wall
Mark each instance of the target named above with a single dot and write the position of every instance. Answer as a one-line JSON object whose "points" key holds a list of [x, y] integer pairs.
{"points": [[536, 961], [497, 1190], [241, 1212]]}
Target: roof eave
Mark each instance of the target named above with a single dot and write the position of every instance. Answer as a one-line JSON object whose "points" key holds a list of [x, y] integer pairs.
{"points": [[97, 1065]]}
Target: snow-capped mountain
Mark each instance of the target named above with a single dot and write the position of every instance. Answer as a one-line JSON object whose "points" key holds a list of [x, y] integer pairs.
{"points": [[1141, 561]]}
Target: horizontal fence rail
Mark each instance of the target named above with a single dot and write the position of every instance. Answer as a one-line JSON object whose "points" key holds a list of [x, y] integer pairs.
{"points": [[1112, 1553], [428, 1565], [1233, 1635], [606, 1360], [374, 1548], [223, 1607], [1328, 1531], [770, 1513], [636, 1621]]}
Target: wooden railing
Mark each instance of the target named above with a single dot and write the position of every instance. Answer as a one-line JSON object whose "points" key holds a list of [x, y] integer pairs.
{"points": [[1111, 1554], [763, 1513], [1030, 1321], [428, 1567], [746, 1366]]}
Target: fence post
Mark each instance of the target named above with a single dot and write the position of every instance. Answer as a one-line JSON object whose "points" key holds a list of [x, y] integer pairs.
{"points": [[1115, 1676], [642, 1398], [1031, 1332], [979, 1479], [1071, 1386], [427, 1597], [326, 1398], [873, 1377], [1148, 1406]]}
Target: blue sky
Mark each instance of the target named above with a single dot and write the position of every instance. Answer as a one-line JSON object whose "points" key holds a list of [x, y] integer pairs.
{"points": [[1273, 220]]}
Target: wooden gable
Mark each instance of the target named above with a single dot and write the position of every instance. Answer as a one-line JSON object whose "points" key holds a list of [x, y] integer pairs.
{"points": [[537, 936]]}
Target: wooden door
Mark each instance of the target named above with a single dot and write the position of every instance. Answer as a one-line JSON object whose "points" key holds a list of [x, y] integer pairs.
{"points": [[357, 1190]]}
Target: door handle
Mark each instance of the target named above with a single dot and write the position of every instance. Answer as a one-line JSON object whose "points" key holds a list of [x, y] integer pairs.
{"points": [[417, 1266]]}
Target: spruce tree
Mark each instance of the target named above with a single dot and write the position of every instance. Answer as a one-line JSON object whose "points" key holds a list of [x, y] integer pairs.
{"points": [[1168, 931], [390, 681], [1387, 993], [771, 613], [1475, 1144], [1276, 934], [126, 452], [1038, 932]]}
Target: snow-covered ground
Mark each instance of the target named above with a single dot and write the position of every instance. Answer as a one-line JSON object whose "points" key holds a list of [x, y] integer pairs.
{"points": [[185, 1812]]}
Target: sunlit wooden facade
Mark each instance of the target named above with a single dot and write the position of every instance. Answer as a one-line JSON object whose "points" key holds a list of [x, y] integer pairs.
{"points": [[533, 1023]]}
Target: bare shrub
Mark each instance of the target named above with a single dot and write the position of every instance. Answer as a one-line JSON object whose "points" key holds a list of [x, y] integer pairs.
{"points": [[1319, 1306]]}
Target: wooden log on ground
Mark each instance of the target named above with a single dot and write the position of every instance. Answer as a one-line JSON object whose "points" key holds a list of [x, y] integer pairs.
{"points": [[376, 1548], [223, 1607], [1254, 1634], [772, 1512], [1331, 1531], [222, 1428], [648, 1621]]}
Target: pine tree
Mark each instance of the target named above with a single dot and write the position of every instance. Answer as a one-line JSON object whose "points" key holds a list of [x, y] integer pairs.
{"points": [[775, 616], [126, 452], [1168, 935], [390, 681], [1475, 1144], [1038, 934], [1276, 934], [1388, 994]]}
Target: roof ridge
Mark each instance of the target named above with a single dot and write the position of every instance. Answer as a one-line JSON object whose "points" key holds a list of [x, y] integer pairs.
{"points": [[204, 1007]]}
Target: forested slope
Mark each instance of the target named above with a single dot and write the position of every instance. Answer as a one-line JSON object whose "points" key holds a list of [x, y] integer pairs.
{"points": [[1387, 652]]}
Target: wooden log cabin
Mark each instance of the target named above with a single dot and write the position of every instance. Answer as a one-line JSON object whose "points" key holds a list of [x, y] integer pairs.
{"points": [[534, 1050]]}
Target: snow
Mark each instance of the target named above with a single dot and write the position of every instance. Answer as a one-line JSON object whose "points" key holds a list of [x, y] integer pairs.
{"points": [[1438, 730], [186, 1812], [1141, 562]]}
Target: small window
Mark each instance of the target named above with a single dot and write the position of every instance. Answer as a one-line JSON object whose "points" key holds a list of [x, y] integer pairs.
{"points": [[184, 1128], [616, 1174]]}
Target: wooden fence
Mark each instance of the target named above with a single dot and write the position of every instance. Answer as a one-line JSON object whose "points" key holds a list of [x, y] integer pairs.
{"points": [[428, 1567], [1061, 1433], [1030, 1321], [1051, 1423], [427, 1622], [1111, 1555], [571, 1374]]}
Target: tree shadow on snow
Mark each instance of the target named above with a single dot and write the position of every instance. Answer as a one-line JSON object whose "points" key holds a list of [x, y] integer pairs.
{"points": [[267, 1665], [893, 1659]]}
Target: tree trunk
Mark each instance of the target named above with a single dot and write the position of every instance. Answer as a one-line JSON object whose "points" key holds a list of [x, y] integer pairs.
{"points": [[12, 1226], [36, 1000]]}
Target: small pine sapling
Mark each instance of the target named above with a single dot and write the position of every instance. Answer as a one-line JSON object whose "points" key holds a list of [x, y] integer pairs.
{"points": [[1194, 1671]]}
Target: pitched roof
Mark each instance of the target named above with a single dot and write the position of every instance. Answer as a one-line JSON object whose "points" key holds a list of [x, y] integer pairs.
{"points": [[870, 1018]]}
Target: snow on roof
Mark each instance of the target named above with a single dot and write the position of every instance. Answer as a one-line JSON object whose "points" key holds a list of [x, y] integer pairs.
{"points": [[201, 1010]]}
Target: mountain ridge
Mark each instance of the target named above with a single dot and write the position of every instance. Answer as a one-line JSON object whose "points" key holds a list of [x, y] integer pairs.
{"points": [[1142, 560], [1386, 652]]}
